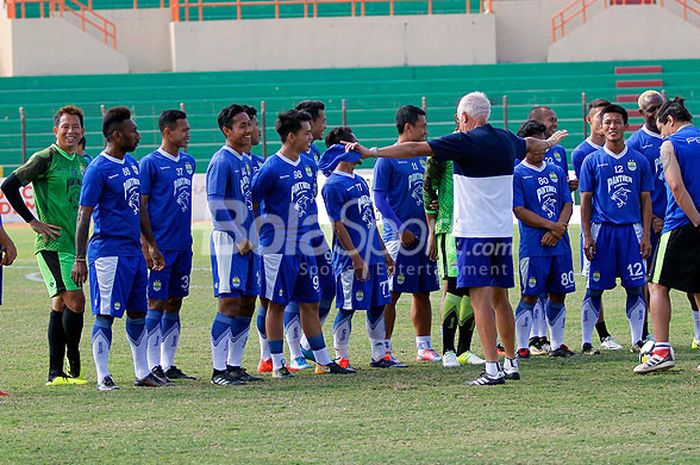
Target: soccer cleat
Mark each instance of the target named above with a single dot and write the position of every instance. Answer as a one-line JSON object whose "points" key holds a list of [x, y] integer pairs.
{"points": [[536, 348], [60, 379], [470, 358], [397, 363], [695, 345], [449, 360], [427, 355], [637, 347], [512, 374], [656, 363], [345, 363], [175, 373], [3, 394], [609, 343], [299, 364], [265, 366], [150, 380], [158, 372], [107, 384], [545, 344], [486, 380], [282, 373], [562, 351], [222, 378], [241, 374], [500, 350], [588, 349], [308, 354], [331, 369], [387, 362], [524, 353], [78, 381]]}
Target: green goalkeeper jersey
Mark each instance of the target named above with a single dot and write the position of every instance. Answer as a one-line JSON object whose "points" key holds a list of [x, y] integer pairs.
{"points": [[438, 185], [56, 177]]}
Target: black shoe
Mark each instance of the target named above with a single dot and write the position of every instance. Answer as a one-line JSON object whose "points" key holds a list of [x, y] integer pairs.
{"points": [[175, 373], [74, 367], [157, 371], [386, 362], [487, 380], [222, 378], [332, 369], [107, 384], [562, 351], [282, 373], [241, 374], [149, 381], [588, 349]]}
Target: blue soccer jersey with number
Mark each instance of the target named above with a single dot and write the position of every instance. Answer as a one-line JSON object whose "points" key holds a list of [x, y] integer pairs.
{"points": [[649, 144], [579, 154], [556, 155]]}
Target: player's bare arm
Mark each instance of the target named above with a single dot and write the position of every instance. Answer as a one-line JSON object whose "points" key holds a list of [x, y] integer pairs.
{"points": [[645, 246], [586, 212], [82, 230], [157, 261], [358, 264]]}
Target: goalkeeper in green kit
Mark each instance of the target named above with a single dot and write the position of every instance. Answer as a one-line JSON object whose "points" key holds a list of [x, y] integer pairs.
{"points": [[456, 308]]}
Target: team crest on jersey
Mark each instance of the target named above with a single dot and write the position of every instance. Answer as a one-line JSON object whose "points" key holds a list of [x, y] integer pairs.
{"points": [[236, 281], [309, 172], [157, 285], [135, 169], [189, 168], [596, 276], [553, 176], [400, 279], [557, 156], [532, 282], [632, 165], [360, 296], [117, 305], [280, 293]]}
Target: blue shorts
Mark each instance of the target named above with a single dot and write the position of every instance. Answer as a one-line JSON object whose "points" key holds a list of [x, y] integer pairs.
{"points": [[415, 272], [485, 262], [324, 262], [174, 280], [118, 284], [617, 255], [235, 275], [354, 294], [286, 278], [547, 275]]}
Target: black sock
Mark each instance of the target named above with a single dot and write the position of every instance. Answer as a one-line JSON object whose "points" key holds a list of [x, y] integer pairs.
{"points": [[466, 332], [73, 328], [57, 344], [449, 328], [602, 330]]}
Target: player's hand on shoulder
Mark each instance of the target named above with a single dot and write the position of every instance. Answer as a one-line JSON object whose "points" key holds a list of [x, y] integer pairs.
{"points": [[47, 231]]}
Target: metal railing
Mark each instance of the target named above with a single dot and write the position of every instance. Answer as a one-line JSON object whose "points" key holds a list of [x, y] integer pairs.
{"points": [[88, 18], [182, 9]]}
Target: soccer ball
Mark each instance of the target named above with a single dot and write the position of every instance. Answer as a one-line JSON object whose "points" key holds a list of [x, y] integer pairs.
{"points": [[646, 350]]}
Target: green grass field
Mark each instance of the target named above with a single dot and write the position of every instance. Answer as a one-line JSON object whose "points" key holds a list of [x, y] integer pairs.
{"points": [[582, 410]]}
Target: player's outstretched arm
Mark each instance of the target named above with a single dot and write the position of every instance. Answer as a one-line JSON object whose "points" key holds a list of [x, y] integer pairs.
{"points": [[538, 146], [82, 230], [404, 150], [674, 179]]}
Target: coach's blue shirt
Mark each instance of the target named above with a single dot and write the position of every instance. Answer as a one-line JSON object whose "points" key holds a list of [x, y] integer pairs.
{"points": [[229, 194], [402, 182], [649, 144], [348, 200], [167, 181], [543, 190], [483, 166], [686, 145], [285, 190], [112, 187], [579, 154], [617, 182]]}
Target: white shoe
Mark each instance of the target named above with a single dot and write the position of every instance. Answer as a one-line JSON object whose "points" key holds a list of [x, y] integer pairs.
{"points": [[449, 360], [470, 358], [610, 344], [656, 363]]}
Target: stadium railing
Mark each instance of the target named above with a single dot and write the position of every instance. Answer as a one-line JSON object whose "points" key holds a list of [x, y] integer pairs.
{"points": [[580, 10], [17, 9]]}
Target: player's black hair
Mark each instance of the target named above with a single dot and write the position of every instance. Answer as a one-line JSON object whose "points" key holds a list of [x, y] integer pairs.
{"points": [[82, 142], [676, 108], [290, 122], [252, 112], [69, 110], [168, 119], [338, 135], [614, 109], [598, 103], [407, 114], [531, 128], [114, 117], [227, 114], [312, 107]]}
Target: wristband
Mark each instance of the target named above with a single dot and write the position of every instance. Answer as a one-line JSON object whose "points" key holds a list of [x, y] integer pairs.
{"points": [[374, 151], [79, 259]]}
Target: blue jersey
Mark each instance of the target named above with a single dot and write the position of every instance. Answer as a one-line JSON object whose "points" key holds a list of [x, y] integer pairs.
{"points": [[347, 199], [617, 182], [112, 187], [402, 182], [556, 155], [544, 191], [285, 190], [686, 145], [256, 162], [579, 154], [313, 155], [229, 196], [649, 144], [167, 181]]}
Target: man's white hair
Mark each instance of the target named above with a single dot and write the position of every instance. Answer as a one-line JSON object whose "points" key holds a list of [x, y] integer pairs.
{"points": [[475, 104]]}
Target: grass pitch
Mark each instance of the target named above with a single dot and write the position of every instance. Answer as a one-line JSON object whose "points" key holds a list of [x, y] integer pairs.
{"points": [[582, 410]]}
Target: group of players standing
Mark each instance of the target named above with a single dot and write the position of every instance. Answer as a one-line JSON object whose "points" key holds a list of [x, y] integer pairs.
{"points": [[266, 240]]}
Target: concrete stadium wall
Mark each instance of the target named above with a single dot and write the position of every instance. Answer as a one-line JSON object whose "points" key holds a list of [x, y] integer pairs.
{"points": [[337, 42], [5, 45], [632, 32]]}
